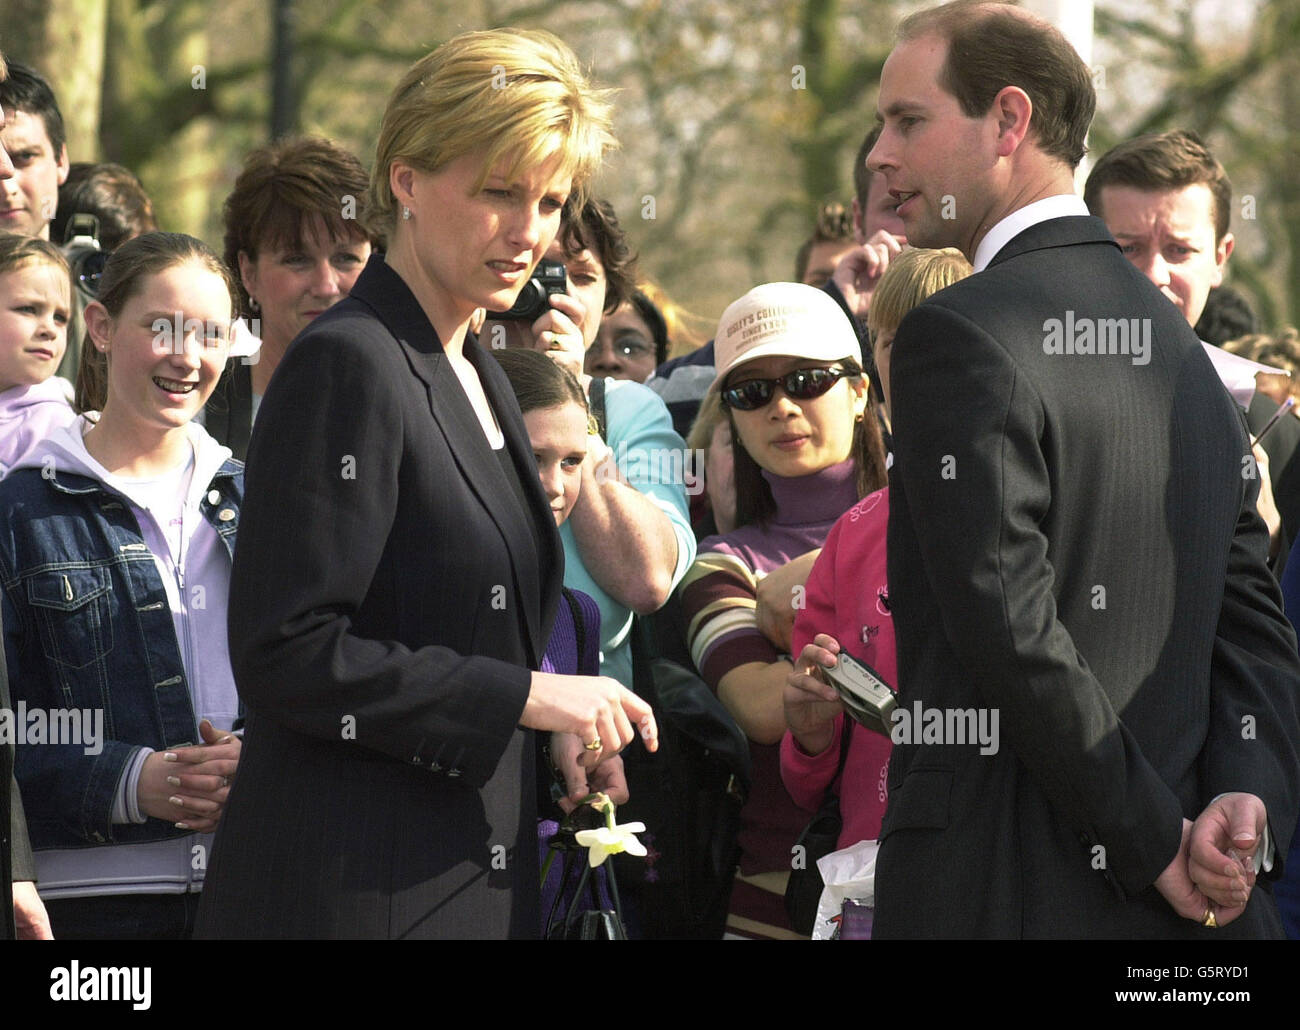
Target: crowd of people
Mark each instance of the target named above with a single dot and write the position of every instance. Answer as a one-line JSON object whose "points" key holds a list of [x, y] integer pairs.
{"points": [[351, 550]]}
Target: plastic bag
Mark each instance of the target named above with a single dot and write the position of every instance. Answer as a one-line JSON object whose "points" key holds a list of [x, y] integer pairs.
{"points": [[847, 873]]}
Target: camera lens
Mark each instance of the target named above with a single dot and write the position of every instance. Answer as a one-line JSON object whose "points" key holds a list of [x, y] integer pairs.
{"points": [[530, 297], [87, 270]]}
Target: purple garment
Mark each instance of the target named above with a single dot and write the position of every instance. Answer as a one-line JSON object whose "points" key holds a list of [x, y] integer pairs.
{"points": [[562, 649], [806, 508], [30, 413], [562, 656]]}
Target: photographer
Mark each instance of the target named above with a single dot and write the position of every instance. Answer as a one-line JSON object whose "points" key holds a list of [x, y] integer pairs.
{"points": [[101, 206], [629, 540]]}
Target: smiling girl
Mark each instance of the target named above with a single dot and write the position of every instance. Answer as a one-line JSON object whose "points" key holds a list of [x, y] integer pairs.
{"points": [[805, 448], [114, 570], [34, 311]]}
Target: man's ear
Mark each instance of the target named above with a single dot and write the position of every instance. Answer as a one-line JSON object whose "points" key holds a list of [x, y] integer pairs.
{"points": [[1221, 254], [1014, 110], [63, 164]]}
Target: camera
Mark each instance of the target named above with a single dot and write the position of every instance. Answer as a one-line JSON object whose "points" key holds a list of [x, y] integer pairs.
{"points": [[85, 256], [533, 300], [866, 696]]}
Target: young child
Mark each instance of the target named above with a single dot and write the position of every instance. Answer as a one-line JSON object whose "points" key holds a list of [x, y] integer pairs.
{"points": [[558, 423], [35, 301], [847, 602]]}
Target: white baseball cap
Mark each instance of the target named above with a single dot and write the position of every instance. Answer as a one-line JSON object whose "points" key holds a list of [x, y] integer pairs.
{"points": [[789, 319]]}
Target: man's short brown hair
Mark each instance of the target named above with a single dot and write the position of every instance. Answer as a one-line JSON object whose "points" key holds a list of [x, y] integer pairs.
{"points": [[992, 46], [1161, 161]]}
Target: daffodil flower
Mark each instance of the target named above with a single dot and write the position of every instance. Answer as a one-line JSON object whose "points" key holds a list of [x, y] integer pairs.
{"points": [[610, 839]]}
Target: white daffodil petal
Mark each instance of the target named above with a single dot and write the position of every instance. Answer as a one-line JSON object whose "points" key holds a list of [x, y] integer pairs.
{"points": [[634, 847]]}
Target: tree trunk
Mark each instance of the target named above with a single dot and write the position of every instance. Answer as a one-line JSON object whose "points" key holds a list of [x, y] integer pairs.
{"points": [[64, 41]]}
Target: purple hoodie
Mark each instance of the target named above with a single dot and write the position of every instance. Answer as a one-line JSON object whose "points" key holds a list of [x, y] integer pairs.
{"points": [[28, 414]]}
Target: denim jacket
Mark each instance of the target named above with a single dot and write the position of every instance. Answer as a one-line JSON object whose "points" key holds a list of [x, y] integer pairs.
{"points": [[87, 625]]}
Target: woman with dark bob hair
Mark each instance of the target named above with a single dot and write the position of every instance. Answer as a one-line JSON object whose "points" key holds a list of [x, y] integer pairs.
{"points": [[296, 242], [392, 599]]}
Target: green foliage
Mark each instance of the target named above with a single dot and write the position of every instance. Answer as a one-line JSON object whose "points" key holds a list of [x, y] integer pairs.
{"points": [[737, 160]]}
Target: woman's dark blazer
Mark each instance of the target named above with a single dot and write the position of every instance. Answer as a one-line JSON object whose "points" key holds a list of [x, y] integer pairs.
{"points": [[387, 602]]}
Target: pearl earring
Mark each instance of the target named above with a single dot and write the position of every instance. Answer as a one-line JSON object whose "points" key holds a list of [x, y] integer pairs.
{"points": [[406, 214]]}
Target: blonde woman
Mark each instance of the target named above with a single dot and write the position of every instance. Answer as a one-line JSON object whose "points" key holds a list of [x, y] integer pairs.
{"points": [[396, 592]]}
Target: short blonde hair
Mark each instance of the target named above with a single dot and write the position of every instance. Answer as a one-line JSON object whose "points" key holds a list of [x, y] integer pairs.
{"points": [[520, 94], [910, 278]]}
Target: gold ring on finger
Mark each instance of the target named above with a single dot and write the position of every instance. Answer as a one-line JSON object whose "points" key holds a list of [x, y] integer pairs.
{"points": [[594, 745]]}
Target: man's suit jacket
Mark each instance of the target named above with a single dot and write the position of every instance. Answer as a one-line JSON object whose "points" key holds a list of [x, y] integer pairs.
{"points": [[16, 862], [390, 592], [1072, 545]]}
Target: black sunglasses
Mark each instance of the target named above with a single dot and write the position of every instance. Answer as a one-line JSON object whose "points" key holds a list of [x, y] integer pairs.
{"points": [[803, 384]]}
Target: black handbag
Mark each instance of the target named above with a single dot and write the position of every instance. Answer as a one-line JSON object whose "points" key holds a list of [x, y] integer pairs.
{"points": [[592, 910], [585, 916], [819, 838]]}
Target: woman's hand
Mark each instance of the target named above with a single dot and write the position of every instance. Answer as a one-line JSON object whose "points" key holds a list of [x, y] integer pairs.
{"points": [[596, 709], [1266, 506], [189, 785], [558, 333], [566, 753], [775, 598], [30, 919], [811, 704]]}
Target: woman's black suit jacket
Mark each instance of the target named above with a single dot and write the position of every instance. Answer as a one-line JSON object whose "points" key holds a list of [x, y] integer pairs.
{"points": [[387, 601]]}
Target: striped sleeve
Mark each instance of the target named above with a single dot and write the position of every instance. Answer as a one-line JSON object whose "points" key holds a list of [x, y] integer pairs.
{"points": [[718, 601]]}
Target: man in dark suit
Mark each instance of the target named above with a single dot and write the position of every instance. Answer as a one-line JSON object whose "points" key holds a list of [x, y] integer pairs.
{"points": [[1074, 557]]}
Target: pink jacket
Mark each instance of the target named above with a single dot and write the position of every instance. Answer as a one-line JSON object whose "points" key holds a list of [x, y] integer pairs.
{"points": [[848, 597]]}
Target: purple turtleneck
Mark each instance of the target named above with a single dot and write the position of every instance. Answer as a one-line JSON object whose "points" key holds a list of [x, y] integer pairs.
{"points": [[806, 508]]}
